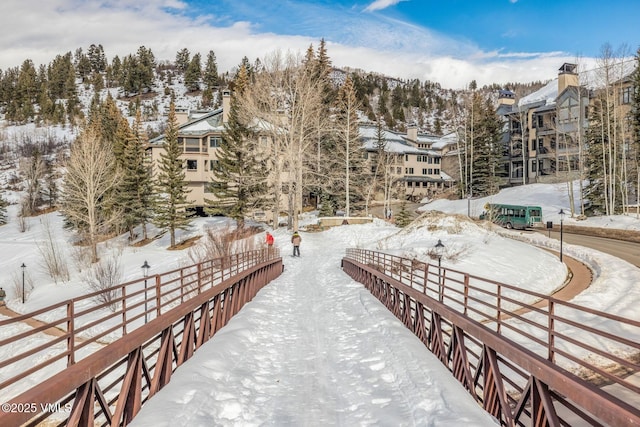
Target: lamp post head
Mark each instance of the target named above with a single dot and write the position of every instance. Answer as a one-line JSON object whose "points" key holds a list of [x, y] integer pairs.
{"points": [[562, 214], [145, 268], [23, 266], [439, 248]]}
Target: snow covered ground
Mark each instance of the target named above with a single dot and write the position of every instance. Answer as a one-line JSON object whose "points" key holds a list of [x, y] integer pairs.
{"points": [[314, 348]]}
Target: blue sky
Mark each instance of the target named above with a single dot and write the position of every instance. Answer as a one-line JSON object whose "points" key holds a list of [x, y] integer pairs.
{"points": [[449, 41], [506, 26]]}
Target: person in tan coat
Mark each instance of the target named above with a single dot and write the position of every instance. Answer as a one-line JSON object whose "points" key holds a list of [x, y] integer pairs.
{"points": [[295, 240]]}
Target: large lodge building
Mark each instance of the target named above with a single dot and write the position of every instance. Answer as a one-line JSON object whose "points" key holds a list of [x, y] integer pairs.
{"points": [[542, 133]]}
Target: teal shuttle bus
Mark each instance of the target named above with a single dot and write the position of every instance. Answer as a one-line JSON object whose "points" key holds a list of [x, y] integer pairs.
{"points": [[513, 216]]}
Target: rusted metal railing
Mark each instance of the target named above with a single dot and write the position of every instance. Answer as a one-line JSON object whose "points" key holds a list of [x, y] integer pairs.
{"points": [[115, 348], [529, 358]]}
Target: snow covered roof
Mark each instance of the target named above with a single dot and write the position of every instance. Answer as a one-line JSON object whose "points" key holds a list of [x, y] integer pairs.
{"points": [[595, 79], [545, 95], [591, 79], [399, 143], [200, 123]]}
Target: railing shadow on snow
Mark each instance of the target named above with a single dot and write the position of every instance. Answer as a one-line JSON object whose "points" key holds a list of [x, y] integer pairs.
{"points": [[528, 358], [115, 348]]}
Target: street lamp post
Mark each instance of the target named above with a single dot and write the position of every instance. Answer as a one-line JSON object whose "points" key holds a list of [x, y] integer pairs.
{"points": [[562, 214], [439, 250], [145, 272], [23, 267]]}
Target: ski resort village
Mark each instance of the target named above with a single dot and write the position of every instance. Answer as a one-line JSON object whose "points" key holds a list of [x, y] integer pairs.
{"points": [[241, 215]]}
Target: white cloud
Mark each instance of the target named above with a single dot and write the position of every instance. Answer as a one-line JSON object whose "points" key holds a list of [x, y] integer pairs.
{"points": [[381, 4], [41, 30]]}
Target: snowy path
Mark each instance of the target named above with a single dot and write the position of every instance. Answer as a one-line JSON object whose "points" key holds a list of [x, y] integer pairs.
{"points": [[314, 348]]}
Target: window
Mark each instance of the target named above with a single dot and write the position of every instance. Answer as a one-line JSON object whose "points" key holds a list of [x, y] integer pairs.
{"points": [[625, 95], [540, 121], [214, 142], [436, 171], [191, 145], [436, 160], [534, 167], [409, 184], [192, 165], [424, 172], [409, 171], [398, 171], [213, 165]]}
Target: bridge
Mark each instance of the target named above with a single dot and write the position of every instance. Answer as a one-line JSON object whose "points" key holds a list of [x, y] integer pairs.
{"points": [[526, 358]]}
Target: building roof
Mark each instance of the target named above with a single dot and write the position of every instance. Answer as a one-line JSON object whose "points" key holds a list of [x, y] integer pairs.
{"points": [[397, 142], [591, 79], [200, 123]]}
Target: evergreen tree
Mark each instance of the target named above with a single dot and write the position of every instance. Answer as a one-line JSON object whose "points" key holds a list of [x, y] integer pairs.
{"points": [[146, 67], [327, 205], [26, 91], [182, 59], [83, 67], [170, 212], [193, 74], [50, 191], [597, 159], [403, 218], [97, 58], [108, 122], [207, 97], [349, 148], [484, 147], [135, 192], [114, 74], [239, 178], [210, 77]]}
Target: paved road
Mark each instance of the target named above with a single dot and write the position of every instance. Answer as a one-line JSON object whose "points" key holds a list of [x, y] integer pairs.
{"points": [[627, 251]]}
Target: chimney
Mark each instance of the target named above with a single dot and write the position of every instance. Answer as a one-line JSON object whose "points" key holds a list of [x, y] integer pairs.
{"points": [[226, 105], [182, 116], [506, 97], [567, 76], [412, 132]]}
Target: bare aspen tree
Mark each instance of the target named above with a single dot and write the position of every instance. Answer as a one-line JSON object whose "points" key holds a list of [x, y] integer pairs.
{"points": [[286, 101], [348, 145], [33, 170], [380, 168], [611, 71], [87, 193]]}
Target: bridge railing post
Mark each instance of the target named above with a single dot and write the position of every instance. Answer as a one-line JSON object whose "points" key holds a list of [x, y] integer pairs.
{"points": [[158, 294], [550, 331], [71, 334], [466, 294], [499, 308], [123, 295]]}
